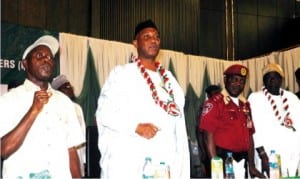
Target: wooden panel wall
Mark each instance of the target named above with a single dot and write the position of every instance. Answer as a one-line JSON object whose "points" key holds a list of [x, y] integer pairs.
{"points": [[71, 16]]}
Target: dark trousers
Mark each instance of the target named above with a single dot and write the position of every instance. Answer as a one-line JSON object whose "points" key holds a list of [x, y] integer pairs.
{"points": [[237, 156]]}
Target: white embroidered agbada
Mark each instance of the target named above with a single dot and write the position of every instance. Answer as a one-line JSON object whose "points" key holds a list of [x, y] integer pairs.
{"points": [[124, 102], [271, 134]]}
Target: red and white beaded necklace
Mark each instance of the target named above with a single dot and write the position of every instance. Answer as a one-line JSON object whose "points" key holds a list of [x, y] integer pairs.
{"points": [[287, 121], [170, 106]]}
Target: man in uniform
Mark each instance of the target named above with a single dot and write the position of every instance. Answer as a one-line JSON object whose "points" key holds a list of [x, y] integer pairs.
{"points": [[226, 121]]}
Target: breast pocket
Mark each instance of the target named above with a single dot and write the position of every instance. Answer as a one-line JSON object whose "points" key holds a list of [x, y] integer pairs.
{"points": [[230, 114]]}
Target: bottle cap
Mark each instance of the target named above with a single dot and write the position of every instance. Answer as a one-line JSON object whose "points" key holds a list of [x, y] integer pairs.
{"points": [[229, 154], [216, 158]]}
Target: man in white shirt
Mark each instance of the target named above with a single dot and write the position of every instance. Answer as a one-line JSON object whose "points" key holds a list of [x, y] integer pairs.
{"points": [[39, 129], [276, 116]]}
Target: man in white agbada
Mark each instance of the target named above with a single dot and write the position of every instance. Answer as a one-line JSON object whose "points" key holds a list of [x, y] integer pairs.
{"points": [[140, 114], [276, 116]]}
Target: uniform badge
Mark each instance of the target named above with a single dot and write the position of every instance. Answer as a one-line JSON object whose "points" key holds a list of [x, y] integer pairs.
{"points": [[243, 71], [206, 108]]}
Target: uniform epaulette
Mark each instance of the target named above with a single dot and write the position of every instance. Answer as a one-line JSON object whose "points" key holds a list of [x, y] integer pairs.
{"points": [[216, 97]]}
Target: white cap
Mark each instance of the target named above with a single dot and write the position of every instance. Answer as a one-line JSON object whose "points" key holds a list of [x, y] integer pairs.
{"points": [[273, 67], [59, 81], [47, 40]]}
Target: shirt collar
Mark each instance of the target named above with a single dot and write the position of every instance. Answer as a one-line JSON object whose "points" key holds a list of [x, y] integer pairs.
{"points": [[226, 97], [29, 85]]}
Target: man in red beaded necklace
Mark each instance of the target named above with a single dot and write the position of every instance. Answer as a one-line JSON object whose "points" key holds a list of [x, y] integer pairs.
{"points": [[276, 114], [140, 114]]}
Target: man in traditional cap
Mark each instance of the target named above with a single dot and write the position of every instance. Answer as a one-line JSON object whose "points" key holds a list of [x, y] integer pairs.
{"points": [[276, 114], [39, 129], [61, 83], [297, 75], [226, 121], [140, 115]]}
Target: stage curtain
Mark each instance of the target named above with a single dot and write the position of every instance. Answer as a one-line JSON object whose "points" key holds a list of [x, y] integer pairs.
{"points": [[88, 97], [73, 59]]}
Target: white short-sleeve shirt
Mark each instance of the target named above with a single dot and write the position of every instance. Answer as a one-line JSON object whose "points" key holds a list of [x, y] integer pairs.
{"points": [[45, 148]]}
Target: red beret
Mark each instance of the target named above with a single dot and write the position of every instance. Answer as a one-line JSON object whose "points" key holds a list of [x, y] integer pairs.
{"points": [[236, 69]]}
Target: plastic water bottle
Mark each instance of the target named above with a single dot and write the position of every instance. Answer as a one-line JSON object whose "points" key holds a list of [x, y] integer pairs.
{"points": [[162, 171], [298, 169], [229, 172], [148, 169], [279, 164], [217, 168], [273, 165]]}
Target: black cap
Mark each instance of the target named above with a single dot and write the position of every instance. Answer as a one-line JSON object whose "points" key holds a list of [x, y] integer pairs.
{"points": [[143, 25]]}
